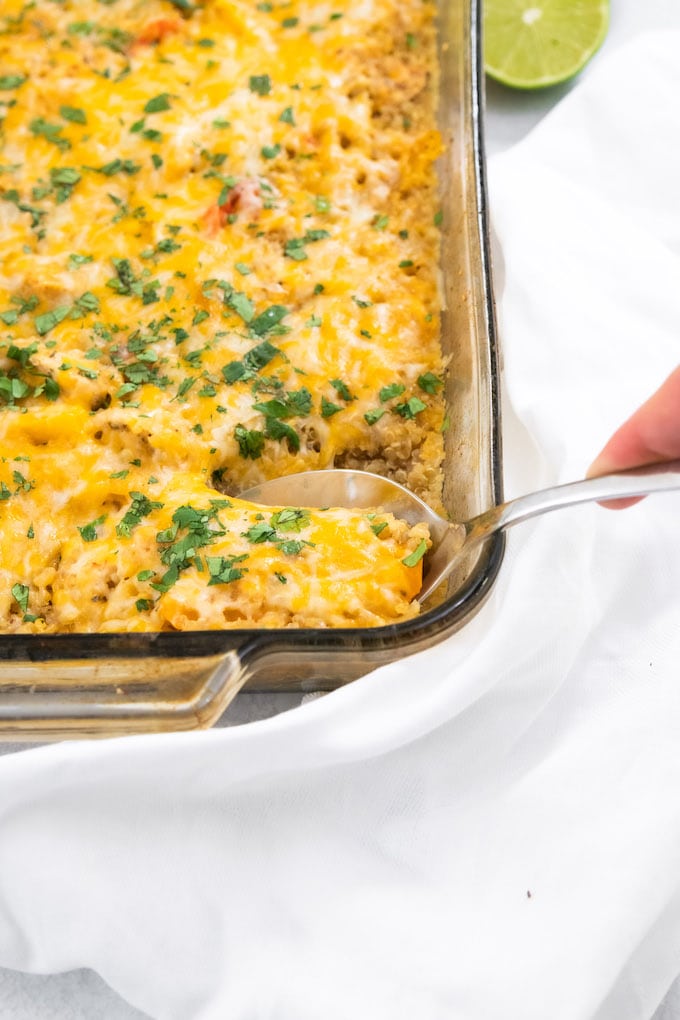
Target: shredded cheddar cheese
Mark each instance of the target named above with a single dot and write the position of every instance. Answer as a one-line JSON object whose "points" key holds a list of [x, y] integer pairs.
{"points": [[219, 247]]}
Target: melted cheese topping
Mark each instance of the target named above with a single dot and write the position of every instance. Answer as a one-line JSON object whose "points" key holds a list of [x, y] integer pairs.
{"points": [[219, 250]]}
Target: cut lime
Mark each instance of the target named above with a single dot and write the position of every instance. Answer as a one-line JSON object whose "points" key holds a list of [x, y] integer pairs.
{"points": [[529, 44]]}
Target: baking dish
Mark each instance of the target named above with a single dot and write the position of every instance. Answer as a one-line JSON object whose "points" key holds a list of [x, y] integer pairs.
{"points": [[66, 685]]}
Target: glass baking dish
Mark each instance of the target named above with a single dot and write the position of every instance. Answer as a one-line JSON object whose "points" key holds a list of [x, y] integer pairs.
{"points": [[69, 685]]}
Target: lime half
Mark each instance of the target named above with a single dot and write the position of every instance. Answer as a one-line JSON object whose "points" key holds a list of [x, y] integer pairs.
{"points": [[529, 45]]}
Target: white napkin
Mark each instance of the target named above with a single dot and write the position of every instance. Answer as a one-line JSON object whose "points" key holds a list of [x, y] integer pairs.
{"points": [[490, 830]]}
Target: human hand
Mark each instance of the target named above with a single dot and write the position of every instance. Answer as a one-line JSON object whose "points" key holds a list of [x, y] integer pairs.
{"points": [[651, 434]]}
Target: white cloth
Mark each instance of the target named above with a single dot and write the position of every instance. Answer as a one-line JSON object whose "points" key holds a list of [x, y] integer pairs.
{"points": [[484, 829]]}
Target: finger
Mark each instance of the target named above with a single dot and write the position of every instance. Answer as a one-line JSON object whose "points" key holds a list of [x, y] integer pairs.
{"points": [[651, 434]]}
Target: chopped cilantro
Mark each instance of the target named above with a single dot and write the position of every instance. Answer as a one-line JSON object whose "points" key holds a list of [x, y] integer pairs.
{"points": [[86, 303], [410, 408], [74, 114], [222, 569], [261, 532], [374, 416], [294, 404], [141, 507], [328, 408], [255, 359], [292, 547], [22, 484], [117, 166], [50, 132], [51, 388], [267, 320], [242, 305], [78, 260], [181, 550], [430, 383], [20, 593], [315, 235], [250, 442], [158, 104], [89, 531], [277, 429], [341, 389], [295, 249], [11, 81], [417, 554], [393, 390], [48, 320], [261, 84], [291, 519]]}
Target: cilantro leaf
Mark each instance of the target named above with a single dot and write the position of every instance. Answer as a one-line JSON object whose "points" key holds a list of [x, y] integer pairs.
{"points": [[276, 429], [267, 320], [409, 409], [242, 305], [158, 104], [430, 383], [417, 554], [48, 320], [20, 593], [250, 442], [89, 531], [393, 390], [291, 519], [11, 81], [261, 84], [73, 114], [328, 408], [222, 569], [141, 507]]}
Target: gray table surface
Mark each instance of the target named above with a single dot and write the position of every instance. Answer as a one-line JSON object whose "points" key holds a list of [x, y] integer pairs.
{"points": [[82, 994]]}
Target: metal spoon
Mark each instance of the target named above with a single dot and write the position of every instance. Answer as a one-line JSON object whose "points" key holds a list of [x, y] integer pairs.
{"points": [[363, 490]]}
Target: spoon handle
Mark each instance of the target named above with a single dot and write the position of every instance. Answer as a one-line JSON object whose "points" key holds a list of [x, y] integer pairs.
{"points": [[639, 481]]}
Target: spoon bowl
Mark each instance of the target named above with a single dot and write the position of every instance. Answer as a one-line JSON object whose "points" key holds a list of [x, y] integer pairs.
{"points": [[362, 490]]}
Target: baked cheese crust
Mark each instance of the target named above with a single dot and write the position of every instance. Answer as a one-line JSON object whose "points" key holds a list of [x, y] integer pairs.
{"points": [[219, 247]]}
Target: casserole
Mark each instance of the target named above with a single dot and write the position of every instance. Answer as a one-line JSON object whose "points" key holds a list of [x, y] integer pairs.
{"points": [[54, 684]]}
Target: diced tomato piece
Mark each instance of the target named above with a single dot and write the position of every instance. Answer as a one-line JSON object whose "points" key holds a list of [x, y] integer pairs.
{"points": [[212, 218], [244, 197], [157, 30]]}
